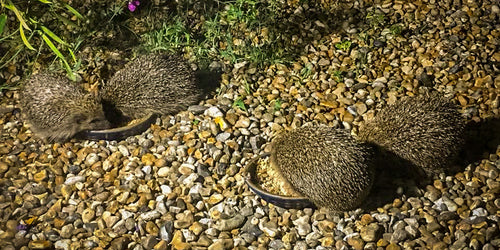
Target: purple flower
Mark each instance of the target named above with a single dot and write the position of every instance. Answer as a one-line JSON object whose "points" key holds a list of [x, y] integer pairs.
{"points": [[132, 5], [22, 227]]}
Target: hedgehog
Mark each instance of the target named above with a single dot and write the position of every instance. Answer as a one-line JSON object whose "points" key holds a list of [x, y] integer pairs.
{"points": [[57, 109], [425, 131], [326, 165], [157, 83]]}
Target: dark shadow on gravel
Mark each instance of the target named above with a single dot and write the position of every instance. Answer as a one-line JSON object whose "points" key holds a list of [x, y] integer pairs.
{"points": [[393, 173], [481, 139], [113, 115], [208, 81]]}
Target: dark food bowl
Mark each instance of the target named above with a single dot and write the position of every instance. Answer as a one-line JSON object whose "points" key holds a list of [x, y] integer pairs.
{"points": [[288, 202], [120, 133]]}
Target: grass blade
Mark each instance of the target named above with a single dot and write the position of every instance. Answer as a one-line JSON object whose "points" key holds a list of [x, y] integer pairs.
{"points": [[60, 55], [3, 20], [23, 37], [72, 54], [53, 36], [52, 47], [75, 12], [11, 6]]}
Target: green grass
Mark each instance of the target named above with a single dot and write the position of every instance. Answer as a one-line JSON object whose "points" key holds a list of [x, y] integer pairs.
{"points": [[258, 32], [277, 104], [306, 71], [395, 29], [170, 37], [338, 75], [240, 104], [243, 11], [376, 19], [235, 32], [35, 31], [247, 87], [344, 45], [116, 9]]}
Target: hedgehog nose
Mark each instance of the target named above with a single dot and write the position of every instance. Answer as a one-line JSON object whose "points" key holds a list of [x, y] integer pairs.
{"points": [[105, 124], [100, 124]]}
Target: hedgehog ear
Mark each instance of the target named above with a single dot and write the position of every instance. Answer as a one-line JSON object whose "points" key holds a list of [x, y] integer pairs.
{"points": [[79, 118]]}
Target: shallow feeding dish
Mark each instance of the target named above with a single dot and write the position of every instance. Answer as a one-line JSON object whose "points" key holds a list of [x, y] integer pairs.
{"points": [[254, 183], [134, 127]]}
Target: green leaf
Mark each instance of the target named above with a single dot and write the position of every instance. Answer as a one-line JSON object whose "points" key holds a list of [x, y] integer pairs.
{"points": [[23, 37], [52, 47], [3, 20], [277, 104], [344, 45], [33, 21], [72, 54], [44, 1], [60, 55], [240, 104], [53, 36], [75, 12], [11, 6], [77, 65]]}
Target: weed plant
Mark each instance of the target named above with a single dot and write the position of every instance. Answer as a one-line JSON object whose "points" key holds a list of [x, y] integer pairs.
{"points": [[30, 27]]}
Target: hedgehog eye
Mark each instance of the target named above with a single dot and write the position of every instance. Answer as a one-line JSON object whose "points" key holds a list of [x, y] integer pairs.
{"points": [[79, 118], [95, 120]]}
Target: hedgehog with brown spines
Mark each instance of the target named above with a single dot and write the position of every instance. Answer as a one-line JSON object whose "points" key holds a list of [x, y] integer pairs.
{"points": [[157, 83], [326, 165], [57, 109], [425, 130]]}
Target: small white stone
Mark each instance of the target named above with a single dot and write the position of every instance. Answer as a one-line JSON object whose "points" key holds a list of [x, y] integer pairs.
{"points": [[240, 64], [126, 214], [165, 189], [495, 9], [74, 179], [151, 215], [123, 150], [146, 169], [163, 171], [91, 159], [190, 179], [213, 112]]}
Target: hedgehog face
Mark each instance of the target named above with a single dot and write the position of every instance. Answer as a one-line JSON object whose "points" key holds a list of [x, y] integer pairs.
{"points": [[89, 115], [86, 121]]}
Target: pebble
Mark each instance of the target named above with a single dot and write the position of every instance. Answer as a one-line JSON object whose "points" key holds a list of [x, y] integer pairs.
{"points": [[356, 243], [163, 172], [232, 223], [74, 179], [177, 241], [213, 112], [302, 225], [151, 215], [221, 244], [67, 231], [370, 232], [40, 244], [62, 244]]}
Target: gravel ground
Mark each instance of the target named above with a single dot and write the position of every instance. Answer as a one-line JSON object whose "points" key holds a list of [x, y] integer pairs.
{"points": [[180, 184]]}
